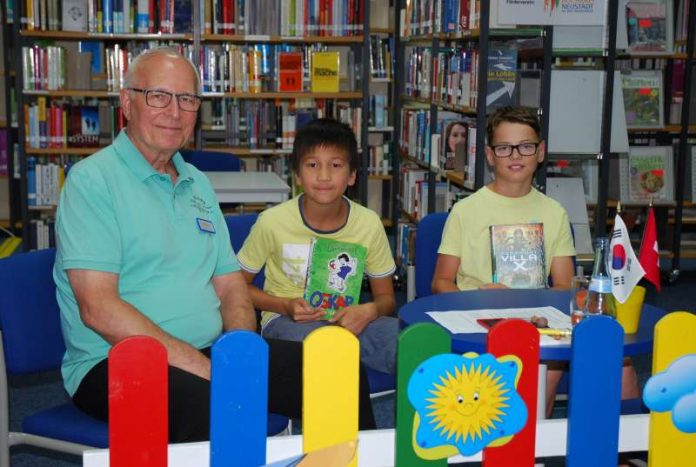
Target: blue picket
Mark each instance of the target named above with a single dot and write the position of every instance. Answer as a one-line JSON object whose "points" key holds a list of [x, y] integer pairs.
{"points": [[239, 400], [594, 399]]}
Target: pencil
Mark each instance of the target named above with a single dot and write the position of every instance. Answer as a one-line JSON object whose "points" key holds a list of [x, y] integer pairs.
{"points": [[555, 332]]}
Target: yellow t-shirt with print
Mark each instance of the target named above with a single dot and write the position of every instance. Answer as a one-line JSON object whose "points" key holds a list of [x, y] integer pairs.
{"points": [[466, 234], [280, 240]]}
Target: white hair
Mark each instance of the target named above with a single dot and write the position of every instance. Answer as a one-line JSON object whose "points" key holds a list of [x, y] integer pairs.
{"points": [[148, 54]]}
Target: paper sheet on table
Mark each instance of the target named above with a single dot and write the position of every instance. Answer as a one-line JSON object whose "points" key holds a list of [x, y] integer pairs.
{"points": [[462, 322]]}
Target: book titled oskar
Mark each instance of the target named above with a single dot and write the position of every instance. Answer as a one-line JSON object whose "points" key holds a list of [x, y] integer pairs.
{"points": [[334, 275], [517, 255]]}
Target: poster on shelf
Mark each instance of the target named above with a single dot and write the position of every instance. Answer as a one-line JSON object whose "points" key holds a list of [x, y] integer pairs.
{"points": [[552, 12]]}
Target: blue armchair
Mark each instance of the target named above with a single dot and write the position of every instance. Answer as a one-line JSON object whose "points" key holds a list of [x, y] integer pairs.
{"points": [[31, 343]]}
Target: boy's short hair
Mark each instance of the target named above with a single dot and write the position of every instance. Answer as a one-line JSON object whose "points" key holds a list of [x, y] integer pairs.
{"points": [[325, 132], [512, 114]]}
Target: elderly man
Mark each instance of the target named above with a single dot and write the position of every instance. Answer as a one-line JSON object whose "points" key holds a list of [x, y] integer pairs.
{"points": [[143, 249]]}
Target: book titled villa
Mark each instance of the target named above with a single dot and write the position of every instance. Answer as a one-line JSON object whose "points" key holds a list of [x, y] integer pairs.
{"points": [[334, 275], [517, 255], [325, 67]]}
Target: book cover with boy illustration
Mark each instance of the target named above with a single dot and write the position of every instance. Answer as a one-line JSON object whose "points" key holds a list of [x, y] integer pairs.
{"points": [[334, 275], [517, 255]]}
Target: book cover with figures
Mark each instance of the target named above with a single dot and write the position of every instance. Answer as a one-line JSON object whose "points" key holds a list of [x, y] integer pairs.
{"points": [[517, 255], [325, 67], [643, 99], [647, 26], [334, 275], [650, 174]]}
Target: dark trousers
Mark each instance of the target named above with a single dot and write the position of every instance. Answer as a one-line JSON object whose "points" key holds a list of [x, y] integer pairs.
{"points": [[189, 395]]}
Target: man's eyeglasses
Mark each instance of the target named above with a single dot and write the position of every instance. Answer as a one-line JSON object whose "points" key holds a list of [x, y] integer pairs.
{"points": [[161, 99], [524, 149]]}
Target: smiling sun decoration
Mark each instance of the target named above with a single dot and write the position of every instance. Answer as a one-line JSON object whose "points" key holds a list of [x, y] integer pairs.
{"points": [[465, 403]]}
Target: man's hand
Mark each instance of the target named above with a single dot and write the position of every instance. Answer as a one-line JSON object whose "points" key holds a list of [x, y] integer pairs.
{"points": [[299, 310], [355, 318]]}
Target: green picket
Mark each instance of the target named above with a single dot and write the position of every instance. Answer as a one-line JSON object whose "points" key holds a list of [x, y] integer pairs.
{"points": [[417, 343]]}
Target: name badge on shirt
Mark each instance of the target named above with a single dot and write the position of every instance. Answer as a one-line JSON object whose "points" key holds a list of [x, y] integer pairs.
{"points": [[205, 225]]}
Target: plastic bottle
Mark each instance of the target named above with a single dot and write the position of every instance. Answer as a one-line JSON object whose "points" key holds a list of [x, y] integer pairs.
{"points": [[600, 300]]}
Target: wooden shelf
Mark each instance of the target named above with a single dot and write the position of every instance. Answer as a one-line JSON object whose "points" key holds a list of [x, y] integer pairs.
{"points": [[379, 177], [104, 36], [473, 34], [387, 222], [378, 31], [59, 151], [281, 39], [248, 152], [285, 95], [452, 107], [456, 178], [406, 158], [71, 93], [664, 129]]}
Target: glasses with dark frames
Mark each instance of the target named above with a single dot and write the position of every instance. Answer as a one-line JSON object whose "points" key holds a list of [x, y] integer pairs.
{"points": [[523, 149], [161, 99]]}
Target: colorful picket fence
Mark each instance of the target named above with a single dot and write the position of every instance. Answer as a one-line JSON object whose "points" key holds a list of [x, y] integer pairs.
{"points": [[238, 403]]}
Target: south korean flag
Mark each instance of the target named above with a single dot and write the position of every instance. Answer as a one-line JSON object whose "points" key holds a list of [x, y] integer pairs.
{"points": [[625, 269]]}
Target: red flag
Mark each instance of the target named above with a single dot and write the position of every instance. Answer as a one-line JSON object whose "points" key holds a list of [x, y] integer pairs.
{"points": [[648, 256]]}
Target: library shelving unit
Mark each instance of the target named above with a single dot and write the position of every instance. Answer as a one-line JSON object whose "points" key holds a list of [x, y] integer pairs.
{"points": [[200, 40], [9, 185]]}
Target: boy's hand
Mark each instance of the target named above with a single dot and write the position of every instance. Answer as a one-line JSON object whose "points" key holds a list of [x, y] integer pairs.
{"points": [[299, 310], [356, 317]]}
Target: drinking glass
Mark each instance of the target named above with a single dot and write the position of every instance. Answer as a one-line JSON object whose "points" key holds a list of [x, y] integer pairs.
{"points": [[579, 286]]}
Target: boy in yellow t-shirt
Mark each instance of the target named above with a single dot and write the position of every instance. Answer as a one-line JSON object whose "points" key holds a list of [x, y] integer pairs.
{"points": [[514, 150], [324, 160]]}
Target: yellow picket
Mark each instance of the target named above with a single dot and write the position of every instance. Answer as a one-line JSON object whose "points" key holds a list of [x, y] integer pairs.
{"points": [[330, 380], [675, 336]]}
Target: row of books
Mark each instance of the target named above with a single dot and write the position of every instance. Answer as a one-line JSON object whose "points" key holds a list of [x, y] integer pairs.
{"points": [[381, 62], [415, 192], [44, 181], [82, 65], [270, 68], [379, 159], [71, 125], [265, 124], [290, 18], [108, 16], [379, 111], [41, 233], [422, 17]]}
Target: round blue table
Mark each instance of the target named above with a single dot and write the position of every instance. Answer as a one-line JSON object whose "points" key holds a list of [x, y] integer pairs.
{"points": [[415, 312]]}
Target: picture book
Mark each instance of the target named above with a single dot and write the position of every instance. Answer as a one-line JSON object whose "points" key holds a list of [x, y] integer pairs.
{"points": [[325, 68], [647, 26], [643, 99], [74, 15], [502, 76], [517, 255], [84, 126], [334, 275], [289, 71], [650, 175]]}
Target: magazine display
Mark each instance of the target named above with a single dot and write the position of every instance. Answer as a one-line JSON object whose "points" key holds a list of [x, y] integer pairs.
{"points": [[334, 275], [517, 255], [643, 99]]}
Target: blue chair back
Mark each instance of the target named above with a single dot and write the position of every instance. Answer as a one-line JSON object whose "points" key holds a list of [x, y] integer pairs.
{"points": [[29, 313], [212, 161], [239, 227], [428, 239]]}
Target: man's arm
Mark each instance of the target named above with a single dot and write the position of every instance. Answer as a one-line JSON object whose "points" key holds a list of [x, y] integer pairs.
{"points": [[561, 271], [444, 279], [103, 311], [356, 317], [296, 308], [235, 304]]}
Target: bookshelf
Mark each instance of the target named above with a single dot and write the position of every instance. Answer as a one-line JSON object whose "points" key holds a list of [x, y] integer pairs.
{"points": [[248, 29]]}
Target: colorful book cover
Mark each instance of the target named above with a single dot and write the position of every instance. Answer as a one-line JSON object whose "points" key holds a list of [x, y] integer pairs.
{"points": [[643, 99], [84, 126], [650, 174], [290, 71], [502, 77], [517, 255], [334, 275], [325, 67], [646, 26]]}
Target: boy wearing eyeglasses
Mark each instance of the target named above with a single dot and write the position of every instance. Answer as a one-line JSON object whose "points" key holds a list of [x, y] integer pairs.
{"points": [[514, 151]]}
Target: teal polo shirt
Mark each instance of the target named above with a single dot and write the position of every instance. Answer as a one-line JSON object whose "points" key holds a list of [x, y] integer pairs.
{"points": [[166, 242]]}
